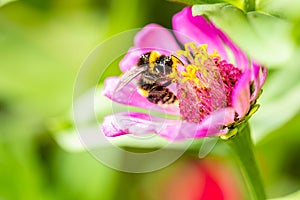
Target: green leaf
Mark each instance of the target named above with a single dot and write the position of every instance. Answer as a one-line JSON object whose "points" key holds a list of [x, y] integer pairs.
{"points": [[208, 9], [4, 2], [287, 9], [237, 3], [264, 37], [193, 2], [293, 196]]}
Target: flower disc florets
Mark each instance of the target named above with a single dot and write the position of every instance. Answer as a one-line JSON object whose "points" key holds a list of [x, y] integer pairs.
{"points": [[206, 84]]}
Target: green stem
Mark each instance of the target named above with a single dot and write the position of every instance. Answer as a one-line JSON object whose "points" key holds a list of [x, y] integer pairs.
{"points": [[249, 5], [242, 146]]}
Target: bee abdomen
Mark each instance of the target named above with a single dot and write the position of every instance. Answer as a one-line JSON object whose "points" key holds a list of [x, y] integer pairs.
{"points": [[159, 94]]}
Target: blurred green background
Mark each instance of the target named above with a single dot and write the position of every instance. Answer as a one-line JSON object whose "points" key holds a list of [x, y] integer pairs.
{"points": [[42, 45]]}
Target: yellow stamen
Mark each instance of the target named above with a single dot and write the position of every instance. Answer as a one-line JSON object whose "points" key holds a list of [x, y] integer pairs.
{"points": [[215, 54], [190, 74], [201, 67]]}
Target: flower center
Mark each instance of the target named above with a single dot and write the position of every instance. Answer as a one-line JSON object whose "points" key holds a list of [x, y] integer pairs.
{"points": [[206, 84]]}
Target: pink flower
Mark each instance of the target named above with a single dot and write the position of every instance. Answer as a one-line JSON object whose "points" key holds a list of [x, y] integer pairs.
{"points": [[201, 180], [215, 82]]}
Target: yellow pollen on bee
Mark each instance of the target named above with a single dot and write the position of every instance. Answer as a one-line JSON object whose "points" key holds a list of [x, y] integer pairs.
{"points": [[175, 61], [154, 55], [143, 93]]}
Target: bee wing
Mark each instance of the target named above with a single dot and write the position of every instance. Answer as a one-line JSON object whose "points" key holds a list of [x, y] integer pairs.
{"points": [[130, 75]]}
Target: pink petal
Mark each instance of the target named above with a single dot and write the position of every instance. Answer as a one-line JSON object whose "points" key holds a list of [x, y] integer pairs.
{"points": [[151, 37], [263, 76], [128, 95], [258, 76], [241, 60], [190, 28], [131, 58], [255, 73], [241, 95], [157, 37], [141, 123], [255, 79]]}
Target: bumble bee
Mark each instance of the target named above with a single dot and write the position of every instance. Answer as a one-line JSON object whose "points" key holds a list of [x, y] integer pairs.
{"points": [[156, 73]]}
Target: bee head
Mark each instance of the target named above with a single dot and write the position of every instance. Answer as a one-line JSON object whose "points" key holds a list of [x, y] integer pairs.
{"points": [[163, 65]]}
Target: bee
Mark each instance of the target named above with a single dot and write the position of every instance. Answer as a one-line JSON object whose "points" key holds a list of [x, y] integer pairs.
{"points": [[156, 73]]}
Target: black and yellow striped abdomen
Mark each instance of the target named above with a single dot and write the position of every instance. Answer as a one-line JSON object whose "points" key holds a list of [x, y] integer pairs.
{"points": [[157, 94]]}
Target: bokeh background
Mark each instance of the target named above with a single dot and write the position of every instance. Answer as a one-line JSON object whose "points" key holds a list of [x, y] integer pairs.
{"points": [[42, 46]]}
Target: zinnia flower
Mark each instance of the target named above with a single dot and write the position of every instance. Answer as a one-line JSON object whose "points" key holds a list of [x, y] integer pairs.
{"points": [[216, 85]]}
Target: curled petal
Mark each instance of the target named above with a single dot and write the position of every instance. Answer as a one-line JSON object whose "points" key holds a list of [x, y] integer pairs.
{"points": [[256, 81], [241, 95], [240, 58], [255, 74], [263, 76], [151, 37], [255, 78], [141, 123], [259, 76], [190, 28], [128, 95]]}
